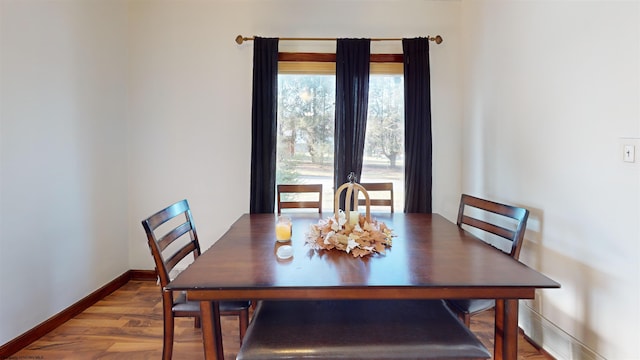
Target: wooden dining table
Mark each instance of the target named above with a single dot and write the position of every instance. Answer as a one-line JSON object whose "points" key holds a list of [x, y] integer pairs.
{"points": [[430, 258]]}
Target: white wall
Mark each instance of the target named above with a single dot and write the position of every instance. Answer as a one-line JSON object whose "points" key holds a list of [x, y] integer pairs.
{"points": [[63, 203], [551, 89], [191, 96]]}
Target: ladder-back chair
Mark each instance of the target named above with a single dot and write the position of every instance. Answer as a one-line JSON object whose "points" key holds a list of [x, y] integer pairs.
{"points": [[489, 220], [284, 203], [169, 245], [376, 189]]}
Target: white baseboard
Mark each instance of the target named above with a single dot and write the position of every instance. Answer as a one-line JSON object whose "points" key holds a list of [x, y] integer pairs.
{"points": [[551, 338]]}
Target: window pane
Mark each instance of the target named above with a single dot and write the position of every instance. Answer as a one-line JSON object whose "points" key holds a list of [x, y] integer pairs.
{"points": [[384, 142], [306, 111]]}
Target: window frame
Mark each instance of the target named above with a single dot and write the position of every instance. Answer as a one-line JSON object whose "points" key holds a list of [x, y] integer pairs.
{"points": [[324, 64]]}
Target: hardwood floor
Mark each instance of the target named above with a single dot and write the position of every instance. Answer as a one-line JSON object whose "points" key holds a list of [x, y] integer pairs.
{"points": [[128, 325]]}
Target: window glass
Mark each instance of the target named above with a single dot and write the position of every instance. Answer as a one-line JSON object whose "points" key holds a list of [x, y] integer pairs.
{"points": [[384, 139], [306, 111]]}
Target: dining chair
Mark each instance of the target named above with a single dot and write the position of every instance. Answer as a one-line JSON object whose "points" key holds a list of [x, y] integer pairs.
{"points": [[172, 237], [285, 190], [496, 224], [358, 329], [379, 189]]}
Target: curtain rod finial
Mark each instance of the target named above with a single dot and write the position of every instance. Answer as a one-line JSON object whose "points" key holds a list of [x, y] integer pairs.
{"points": [[239, 39], [438, 39]]}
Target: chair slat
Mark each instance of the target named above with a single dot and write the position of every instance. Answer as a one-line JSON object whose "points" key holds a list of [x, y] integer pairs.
{"points": [[174, 259], [488, 227], [299, 204], [167, 214], [174, 234]]}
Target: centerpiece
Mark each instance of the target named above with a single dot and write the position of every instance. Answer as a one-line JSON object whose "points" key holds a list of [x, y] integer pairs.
{"points": [[349, 231]]}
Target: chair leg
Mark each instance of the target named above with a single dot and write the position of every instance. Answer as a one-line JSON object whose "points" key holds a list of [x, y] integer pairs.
{"points": [[466, 318], [243, 319], [167, 341]]}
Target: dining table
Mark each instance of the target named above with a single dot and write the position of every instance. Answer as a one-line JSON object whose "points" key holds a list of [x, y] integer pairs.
{"points": [[430, 258]]}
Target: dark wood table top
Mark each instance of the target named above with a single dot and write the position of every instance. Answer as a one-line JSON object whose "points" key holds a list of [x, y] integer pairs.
{"points": [[430, 258]]}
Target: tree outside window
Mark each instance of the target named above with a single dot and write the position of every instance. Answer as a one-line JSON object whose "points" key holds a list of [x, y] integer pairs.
{"points": [[306, 111]]}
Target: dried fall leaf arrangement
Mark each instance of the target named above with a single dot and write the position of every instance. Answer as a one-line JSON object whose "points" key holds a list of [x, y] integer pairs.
{"points": [[360, 239]]}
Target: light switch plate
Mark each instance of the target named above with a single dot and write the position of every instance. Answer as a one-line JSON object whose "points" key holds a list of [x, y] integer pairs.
{"points": [[629, 153]]}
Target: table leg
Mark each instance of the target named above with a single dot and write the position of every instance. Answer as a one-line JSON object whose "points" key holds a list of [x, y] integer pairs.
{"points": [[211, 331], [506, 329], [498, 338]]}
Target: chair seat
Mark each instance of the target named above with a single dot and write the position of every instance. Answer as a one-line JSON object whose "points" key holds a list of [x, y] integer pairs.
{"points": [[358, 329], [471, 306]]}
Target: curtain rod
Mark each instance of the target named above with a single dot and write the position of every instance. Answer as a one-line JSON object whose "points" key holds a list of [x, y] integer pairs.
{"points": [[240, 39]]}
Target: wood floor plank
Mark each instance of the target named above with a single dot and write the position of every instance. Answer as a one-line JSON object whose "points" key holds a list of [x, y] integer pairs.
{"points": [[127, 324], [113, 323]]}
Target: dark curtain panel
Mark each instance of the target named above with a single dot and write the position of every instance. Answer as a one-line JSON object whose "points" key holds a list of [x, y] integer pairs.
{"points": [[352, 99], [417, 129], [263, 125]]}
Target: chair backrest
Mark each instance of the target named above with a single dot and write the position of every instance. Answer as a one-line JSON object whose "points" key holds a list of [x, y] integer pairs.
{"points": [[171, 243], [376, 189], [284, 203], [505, 215]]}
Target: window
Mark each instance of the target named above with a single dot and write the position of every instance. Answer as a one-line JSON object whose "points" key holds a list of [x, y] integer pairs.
{"points": [[306, 110]]}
